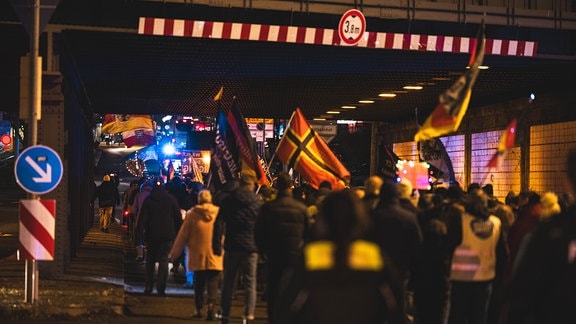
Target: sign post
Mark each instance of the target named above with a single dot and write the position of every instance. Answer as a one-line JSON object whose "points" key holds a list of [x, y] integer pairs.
{"points": [[38, 170]]}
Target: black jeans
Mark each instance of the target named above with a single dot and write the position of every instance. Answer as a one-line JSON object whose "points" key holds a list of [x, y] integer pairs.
{"points": [[157, 252]]}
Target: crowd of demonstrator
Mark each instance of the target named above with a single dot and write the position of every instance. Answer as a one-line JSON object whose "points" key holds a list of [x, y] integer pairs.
{"points": [[378, 253]]}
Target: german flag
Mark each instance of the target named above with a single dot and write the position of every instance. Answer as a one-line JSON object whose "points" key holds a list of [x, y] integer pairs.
{"points": [[302, 149], [246, 145], [453, 103]]}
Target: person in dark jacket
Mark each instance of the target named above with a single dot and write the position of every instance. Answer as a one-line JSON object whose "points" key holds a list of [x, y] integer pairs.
{"points": [[281, 230], [344, 276], [159, 222], [236, 221], [542, 288], [108, 198]]}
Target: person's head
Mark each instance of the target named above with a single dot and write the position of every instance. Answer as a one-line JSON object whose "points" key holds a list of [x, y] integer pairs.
{"points": [[372, 185], [283, 181], [405, 188], [106, 178], [488, 189], [477, 204], [204, 196], [341, 217], [325, 185], [550, 205], [473, 187]]}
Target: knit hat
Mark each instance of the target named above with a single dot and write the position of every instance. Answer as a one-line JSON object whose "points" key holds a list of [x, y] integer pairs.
{"points": [[204, 196], [550, 206]]}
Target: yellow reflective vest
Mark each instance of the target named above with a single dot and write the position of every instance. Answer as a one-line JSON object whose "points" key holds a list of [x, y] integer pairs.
{"points": [[475, 258]]}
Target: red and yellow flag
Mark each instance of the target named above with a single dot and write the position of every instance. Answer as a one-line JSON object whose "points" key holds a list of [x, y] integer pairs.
{"points": [[122, 123], [507, 141], [304, 150]]}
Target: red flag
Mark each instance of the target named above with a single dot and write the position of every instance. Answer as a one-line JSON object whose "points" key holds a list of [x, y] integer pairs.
{"points": [[304, 150], [453, 103], [507, 141], [143, 137], [246, 145]]}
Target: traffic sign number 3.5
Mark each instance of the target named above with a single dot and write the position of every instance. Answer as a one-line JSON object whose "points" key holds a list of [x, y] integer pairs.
{"points": [[38, 169]]}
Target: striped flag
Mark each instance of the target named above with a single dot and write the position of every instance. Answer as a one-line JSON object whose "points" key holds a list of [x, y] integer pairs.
{"points": [[304, 150], [453, 103], [246, 145]]}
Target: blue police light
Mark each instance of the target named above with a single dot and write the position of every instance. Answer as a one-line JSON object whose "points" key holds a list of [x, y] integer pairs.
{"points": [[168, 149]]}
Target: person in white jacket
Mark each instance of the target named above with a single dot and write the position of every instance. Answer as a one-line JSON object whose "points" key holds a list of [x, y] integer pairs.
{"points": [[196, 234]]}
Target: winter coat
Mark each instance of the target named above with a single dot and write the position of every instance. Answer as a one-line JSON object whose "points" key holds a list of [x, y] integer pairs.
{"points": [[282, 228], [107, 194], [160, 217], [196, 234], [543, 285], [237, 219]]}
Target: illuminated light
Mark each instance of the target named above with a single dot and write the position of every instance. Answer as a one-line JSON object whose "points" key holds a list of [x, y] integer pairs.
{"points": [[206, 158], [166, 118], [416, 172], [348, 107], [319, 119], [347, 122], [168, 149], [387, 95], [441, 79], [334, 112], [6, 139], [413, 87], [366, 101]]}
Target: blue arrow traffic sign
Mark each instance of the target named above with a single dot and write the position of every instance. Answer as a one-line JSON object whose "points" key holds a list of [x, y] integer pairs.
{"points": [[38, 169]]}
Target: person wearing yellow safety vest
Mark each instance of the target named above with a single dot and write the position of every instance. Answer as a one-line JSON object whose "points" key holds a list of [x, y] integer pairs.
{"points": [[344, 277], [480, 252]]}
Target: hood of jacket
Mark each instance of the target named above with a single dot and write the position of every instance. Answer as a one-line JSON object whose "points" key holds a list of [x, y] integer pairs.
{"points": [[205, 212]]}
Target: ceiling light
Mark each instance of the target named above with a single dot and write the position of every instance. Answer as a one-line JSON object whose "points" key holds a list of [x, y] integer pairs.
{"points": [[412, 87], [366, 101], [319, 119], [348, 107], [333, 112], [387, 95], [483, 67]]}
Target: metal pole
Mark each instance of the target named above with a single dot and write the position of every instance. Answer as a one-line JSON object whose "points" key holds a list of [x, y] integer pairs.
{"points": [[31, 289]]}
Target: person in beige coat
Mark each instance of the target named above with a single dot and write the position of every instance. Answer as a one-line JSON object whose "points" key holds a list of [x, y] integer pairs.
{"points": [[196, 234]]}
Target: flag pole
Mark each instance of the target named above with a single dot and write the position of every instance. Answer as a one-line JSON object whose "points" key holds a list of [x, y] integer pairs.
{"points": [[274, 155]]}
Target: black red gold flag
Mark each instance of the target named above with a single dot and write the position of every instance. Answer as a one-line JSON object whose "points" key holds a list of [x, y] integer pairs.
{"points": [[453, 103]]}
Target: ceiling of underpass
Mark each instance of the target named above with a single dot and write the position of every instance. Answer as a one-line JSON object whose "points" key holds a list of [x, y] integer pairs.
{"points": [[121, 71]]}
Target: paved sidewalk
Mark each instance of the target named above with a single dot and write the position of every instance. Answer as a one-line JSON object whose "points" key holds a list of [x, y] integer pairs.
{"points": [[103, 284]]}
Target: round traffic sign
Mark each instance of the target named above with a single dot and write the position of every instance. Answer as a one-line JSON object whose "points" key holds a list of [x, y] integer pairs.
{"points": [[5, 139], [38, 169], [352, 27]]}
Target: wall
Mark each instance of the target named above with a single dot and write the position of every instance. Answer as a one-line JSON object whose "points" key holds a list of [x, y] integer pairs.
{"points": [[546, 131]]}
